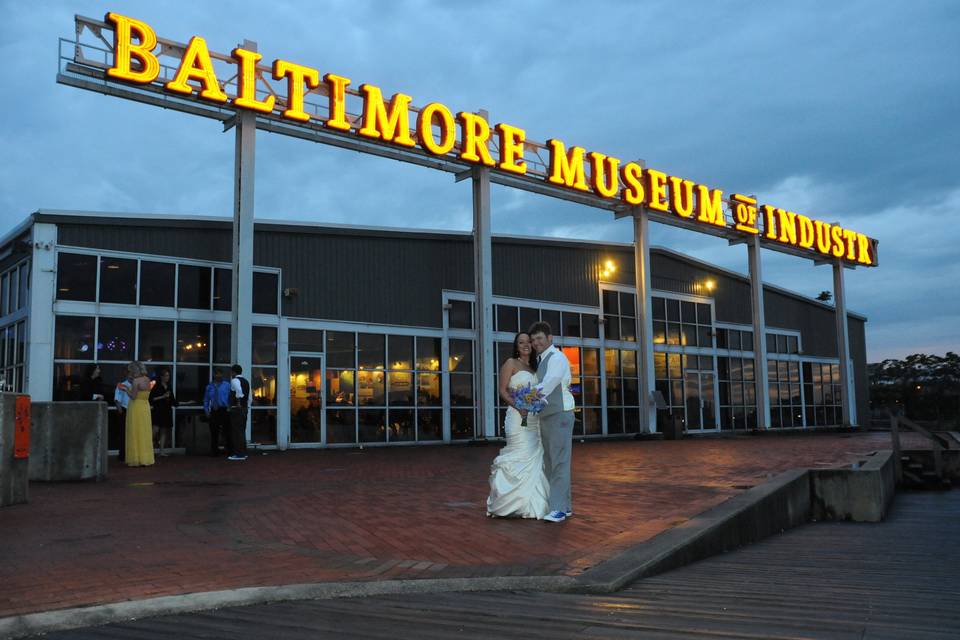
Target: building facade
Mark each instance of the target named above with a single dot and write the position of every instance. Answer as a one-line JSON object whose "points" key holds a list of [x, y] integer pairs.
{"points": [[364, 336]]}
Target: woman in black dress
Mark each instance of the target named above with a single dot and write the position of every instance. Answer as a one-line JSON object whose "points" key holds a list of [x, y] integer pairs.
{"points": [[162, 402], [91, 387]]}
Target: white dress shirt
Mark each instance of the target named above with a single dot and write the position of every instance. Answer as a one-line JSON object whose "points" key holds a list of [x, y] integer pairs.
{"points": [[558, 372]]}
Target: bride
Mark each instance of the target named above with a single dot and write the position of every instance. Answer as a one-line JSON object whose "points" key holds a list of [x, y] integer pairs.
{"points": [[518, 486]]}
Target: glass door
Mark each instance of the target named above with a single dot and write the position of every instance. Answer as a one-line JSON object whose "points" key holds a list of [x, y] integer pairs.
{"points": [[306, 399], [700, 404]]}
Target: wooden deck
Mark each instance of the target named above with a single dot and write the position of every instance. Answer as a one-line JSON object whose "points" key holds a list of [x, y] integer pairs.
{"points": [[899, 579]]}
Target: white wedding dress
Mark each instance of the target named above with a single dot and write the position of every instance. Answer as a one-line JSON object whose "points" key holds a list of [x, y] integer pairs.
{"points": [[518, 485]]}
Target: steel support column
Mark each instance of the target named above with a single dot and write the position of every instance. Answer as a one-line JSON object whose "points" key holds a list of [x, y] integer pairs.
{"points": [[483, 305], [759, 332], [241, 331], [641, 259], [843, 342]]}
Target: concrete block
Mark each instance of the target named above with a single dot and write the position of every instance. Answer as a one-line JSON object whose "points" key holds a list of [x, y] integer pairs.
{"points": [[14, 485], [860, 494], [69, 441]]}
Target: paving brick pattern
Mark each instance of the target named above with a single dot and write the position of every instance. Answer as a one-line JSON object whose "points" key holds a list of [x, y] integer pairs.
{"points": [[199, 524]]}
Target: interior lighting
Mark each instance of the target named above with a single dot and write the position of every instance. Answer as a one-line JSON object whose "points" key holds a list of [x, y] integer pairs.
{"points": [[710, 285]]}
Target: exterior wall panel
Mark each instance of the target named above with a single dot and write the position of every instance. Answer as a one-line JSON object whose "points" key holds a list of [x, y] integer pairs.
{"points": [[211, 242]]}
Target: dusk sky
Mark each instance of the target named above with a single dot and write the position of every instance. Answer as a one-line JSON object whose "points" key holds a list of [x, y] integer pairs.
{"points": [[843, 111]]}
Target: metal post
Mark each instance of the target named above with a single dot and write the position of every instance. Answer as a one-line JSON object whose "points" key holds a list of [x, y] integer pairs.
{"points": [[241, 332], [759, 332], [483, 306], [641, 258], [43, 293], [843, 341]]}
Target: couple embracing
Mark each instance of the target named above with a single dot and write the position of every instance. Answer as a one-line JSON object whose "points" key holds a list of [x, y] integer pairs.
{"points": [[531, 476]]}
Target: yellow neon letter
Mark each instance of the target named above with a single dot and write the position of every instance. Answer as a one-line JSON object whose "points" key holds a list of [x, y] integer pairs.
{"points": [[566, 168], [710, 206], [681, 196], [787, 221], [770, 221], [196, 65], [657, 190], [392, 126], [863, 250], [744, 212], [823, 236], [603, 174], [448, 133], [124, 51], [511, 148], [851, 239], [337, 89], [807, 233], [474, 134], [836, 235], [247, 82], [297, 77], [632, 176]]}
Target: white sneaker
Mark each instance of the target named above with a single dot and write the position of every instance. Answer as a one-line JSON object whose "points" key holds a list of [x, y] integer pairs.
{"points": [[555, 516], [568, 513]]}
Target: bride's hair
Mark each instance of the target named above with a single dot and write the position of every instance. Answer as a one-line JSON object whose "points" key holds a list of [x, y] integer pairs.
{"points": [[516, 344]]}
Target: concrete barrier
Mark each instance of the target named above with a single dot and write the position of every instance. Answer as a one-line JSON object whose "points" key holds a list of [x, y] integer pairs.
{"points": [[860, 494], [69, 441], [14, 487]]}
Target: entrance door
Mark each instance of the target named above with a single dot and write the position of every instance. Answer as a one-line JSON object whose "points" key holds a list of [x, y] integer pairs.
{"points": [[701, 407], [306, 399]]}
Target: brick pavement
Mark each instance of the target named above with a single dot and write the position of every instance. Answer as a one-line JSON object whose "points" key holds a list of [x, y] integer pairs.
{"points": [[201, 524]]}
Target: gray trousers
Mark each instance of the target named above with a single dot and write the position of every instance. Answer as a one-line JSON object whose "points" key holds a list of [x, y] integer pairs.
{"points": [[556, 432]]}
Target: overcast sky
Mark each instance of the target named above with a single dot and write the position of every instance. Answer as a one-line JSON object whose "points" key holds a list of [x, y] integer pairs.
{"points": [[844, 111]]}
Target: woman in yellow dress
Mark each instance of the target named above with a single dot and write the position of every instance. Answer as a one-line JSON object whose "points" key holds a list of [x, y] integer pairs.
{"points": [[139, 427]]}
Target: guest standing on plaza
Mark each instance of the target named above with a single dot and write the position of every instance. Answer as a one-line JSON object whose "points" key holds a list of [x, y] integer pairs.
{"points": [[139, 424], [216, 399], [162, 402], [239, 404], [121, 398]]}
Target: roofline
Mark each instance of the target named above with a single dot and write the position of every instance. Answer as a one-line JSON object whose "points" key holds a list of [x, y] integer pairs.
{"points": [[137, 218]]}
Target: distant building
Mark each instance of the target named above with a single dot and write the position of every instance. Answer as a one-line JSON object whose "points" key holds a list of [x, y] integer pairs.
{"points": [[364, 335]]}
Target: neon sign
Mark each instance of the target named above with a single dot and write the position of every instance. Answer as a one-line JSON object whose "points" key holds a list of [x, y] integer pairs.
{"points": [[469, 137]]}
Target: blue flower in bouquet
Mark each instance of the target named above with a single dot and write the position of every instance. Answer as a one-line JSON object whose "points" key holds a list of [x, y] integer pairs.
{"points": [[528, 398]]}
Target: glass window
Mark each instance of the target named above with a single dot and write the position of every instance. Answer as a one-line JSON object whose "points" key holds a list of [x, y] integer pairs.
{"points": [[24, 285], [11, 301], [370, 351], [402, 425], [341, 426], [265, 292], [118, 280], [611, 304], [628, 360], [781, 344], [792, 344], [370, 388], [73, 338], [571, 324], [461, 390], [400, 349], [76, 277], [263, 386], [341, 386], [428, 354], [461, 424], [156, 341], [590, 326], [264, 345], [429, 425], [263, 426], [771, 343], [688, 312], [4, 287], [506, 318], [658, 305], [659, 332], [461, 356], [628, 304], [193, 342], [221, 343], [703, 314], [428, 389], [340, 350], [193, 287], [553, 319], [157, 283], [461, 314], [115, 339], [373, 425], [306, 340], [528, 317], [223, 289], [611, 328], [591, 362], [400, 388], [190, 382]]}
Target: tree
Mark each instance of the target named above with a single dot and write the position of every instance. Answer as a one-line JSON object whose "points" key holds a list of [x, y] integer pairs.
{"points": [[926, 387]]}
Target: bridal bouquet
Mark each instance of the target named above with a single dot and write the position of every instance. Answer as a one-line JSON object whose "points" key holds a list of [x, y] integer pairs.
{"points": [[527, 397]]}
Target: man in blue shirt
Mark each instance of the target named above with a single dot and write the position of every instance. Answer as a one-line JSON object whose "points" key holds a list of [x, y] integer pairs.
{"points": [[216, 400]]}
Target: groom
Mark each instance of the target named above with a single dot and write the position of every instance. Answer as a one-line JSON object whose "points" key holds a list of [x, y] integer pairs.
{"points": [[556, 419]]}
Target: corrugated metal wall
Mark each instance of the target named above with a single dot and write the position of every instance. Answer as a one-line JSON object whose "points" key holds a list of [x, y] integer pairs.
{"points": [[199, 242]]}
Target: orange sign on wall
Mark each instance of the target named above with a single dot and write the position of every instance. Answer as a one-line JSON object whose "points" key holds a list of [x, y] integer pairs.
{"points": [[21, 429]]}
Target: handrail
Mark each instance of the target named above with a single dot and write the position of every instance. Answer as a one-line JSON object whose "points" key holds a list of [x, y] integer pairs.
{"points": [[939, 443]]}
